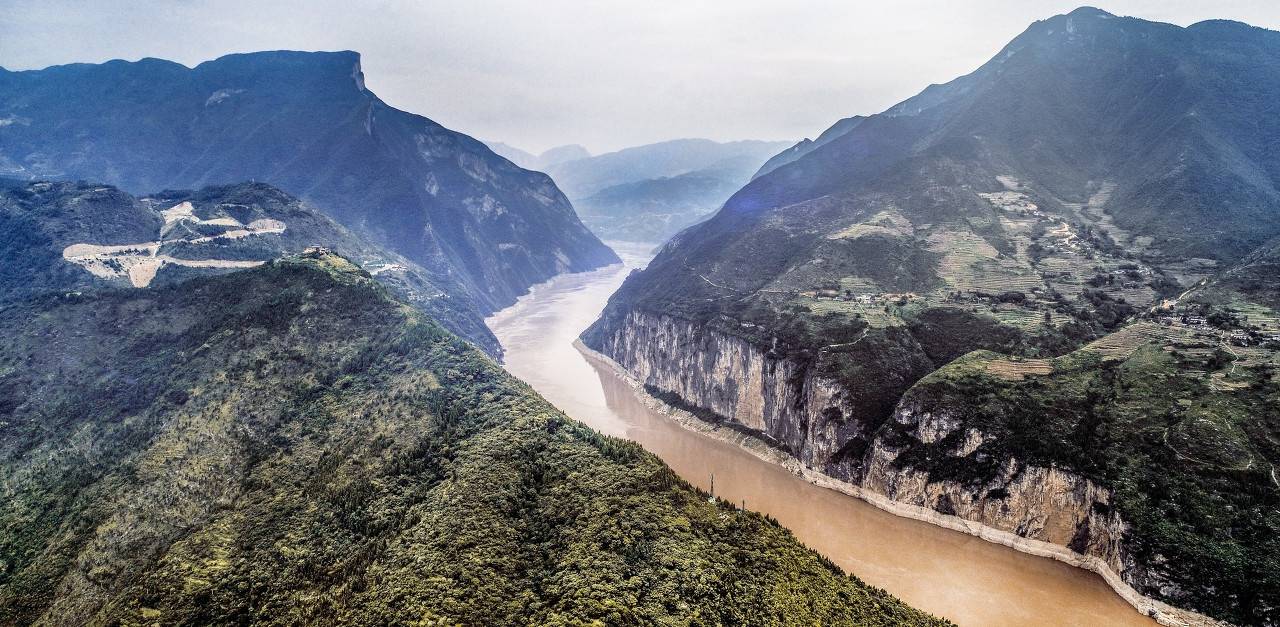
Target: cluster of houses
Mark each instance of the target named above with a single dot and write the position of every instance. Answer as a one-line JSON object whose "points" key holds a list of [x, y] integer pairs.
{"points": [[865, 299], [1238, 337], [1186, 320], [1070, 246]]}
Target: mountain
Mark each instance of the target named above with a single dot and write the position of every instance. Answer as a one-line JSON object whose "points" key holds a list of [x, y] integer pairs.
{"points": [[306, 123], [649, 193], [526, 160], [289, 444], [580, 178], [1038, 299], [806, 145], [562, 154], [79, 236], [548, 158], [652, 210]]}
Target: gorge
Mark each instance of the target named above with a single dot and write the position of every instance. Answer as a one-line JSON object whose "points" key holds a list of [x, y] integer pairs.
{"points": [[275, 349], [954, 575]]}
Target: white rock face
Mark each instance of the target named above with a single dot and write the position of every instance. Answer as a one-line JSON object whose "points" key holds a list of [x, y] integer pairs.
{"points": [[358, 76], [140, 262], [805, 414], [716, 372], [1041, 510], [221, 95], [1046, 504]]}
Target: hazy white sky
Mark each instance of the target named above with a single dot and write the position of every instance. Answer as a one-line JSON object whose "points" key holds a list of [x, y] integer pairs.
{"points": [[606, 74]]}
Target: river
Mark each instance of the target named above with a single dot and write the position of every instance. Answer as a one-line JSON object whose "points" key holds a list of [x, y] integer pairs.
{"points": [[948, 573]]}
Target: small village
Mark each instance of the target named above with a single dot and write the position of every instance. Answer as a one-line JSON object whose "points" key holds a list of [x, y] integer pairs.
{"points": [[1201, 325], [878, 298]]}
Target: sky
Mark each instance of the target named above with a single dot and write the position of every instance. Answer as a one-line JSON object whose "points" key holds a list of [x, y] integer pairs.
{"points": [[604, 74]]}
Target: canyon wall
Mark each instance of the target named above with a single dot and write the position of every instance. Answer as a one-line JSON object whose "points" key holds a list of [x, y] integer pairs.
{"points": [[895, 464]]}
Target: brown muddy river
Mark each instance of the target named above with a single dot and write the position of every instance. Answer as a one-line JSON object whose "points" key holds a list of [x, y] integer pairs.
{"points": [[951, 574]]}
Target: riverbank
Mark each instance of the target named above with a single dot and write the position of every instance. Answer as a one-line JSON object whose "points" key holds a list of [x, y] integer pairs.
{"points": [[1162, 613], [947, 573]]}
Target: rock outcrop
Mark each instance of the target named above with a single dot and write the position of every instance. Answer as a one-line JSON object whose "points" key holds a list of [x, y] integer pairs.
{"points": [[1037, 509]]}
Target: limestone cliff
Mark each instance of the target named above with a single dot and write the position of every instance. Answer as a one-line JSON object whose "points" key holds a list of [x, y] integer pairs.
{"points": [[736, 381], [923, 462]]}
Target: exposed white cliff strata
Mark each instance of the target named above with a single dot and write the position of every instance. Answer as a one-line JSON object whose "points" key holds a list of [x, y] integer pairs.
{"points": [[1038, 510], [735, 380]]}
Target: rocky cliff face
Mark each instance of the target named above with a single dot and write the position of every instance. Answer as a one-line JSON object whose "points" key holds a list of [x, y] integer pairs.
{"points": [[294, 431], [871, 273], [737, 382], [1036, 502], [916, 460]]}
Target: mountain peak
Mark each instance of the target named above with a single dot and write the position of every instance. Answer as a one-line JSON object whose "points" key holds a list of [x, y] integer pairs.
{"points": [[1090, 12], [287, 56], [288, 67], [335, 265]]}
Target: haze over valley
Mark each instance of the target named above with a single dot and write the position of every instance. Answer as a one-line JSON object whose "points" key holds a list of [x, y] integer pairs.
{"points": [[649, 193]]}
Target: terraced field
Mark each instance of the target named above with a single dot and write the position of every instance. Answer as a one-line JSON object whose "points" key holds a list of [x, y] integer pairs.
{"points": [[1123, 343], [859, 285], [874, 314], [885, 223], [1018, 369], [1255, 315], [970, 264], [1019, 317]]}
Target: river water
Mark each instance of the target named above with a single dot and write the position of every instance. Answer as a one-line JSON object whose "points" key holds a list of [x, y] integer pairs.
{"points": [[948, 573]]}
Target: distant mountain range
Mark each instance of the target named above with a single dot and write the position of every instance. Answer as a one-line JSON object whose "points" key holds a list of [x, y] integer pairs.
{"points": [[547, 159], [485, 228], [652, 210], [648, 193], [1040, 297], [581, 178]]}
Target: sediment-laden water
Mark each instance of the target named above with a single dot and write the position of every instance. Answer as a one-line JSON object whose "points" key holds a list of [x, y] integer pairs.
{"points": [[949, 573]]}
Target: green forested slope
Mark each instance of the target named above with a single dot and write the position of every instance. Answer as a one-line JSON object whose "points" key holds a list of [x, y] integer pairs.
{"points": [[1185, 437], [289, 445]]}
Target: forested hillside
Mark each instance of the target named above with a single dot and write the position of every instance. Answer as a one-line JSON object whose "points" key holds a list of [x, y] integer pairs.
{"points": [[289, 445]]}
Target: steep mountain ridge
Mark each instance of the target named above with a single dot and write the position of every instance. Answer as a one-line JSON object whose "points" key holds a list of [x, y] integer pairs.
{"points": [[288, 444], [1053, 208], [1192, 105], [806, 145], [304, 122]]}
